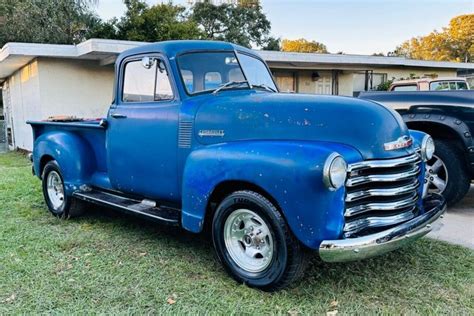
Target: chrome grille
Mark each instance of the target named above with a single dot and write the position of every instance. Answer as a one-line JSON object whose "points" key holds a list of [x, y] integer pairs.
{"points": [[380, 194]]}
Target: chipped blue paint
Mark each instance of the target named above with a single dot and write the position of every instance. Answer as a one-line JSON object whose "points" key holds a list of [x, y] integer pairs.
{"points": [[275, 141]]}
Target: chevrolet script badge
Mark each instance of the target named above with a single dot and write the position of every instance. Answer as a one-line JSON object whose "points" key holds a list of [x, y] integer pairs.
{"points": [[402, 142], [211, 133]]}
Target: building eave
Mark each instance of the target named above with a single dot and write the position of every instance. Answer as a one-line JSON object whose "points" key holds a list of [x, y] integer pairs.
{"points": [[14, 56], [356, 60]]}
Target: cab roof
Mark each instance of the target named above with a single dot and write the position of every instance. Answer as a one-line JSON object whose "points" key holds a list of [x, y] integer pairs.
{"points": [[415, 81], [174, 48]]}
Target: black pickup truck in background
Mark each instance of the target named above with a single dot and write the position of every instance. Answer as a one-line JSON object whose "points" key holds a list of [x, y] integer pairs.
{"points": [[448, 116]]}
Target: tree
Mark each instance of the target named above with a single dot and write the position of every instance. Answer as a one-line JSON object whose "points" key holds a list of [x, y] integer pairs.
{"points": [[244, 24], [142, 22], [45, 21], [303, 46], [272, 44], [453, 43]]}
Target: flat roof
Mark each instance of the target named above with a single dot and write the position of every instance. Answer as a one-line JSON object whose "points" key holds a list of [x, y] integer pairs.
{"points": [[14, 56]]}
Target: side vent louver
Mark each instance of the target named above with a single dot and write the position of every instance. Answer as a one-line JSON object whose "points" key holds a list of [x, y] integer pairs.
{"points": [[185, 134]]}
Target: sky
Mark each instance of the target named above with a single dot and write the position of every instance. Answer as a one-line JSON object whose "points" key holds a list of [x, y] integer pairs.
{"points": [[349, 26]]}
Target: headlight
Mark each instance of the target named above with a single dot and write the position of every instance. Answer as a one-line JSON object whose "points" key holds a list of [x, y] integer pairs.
{"points": [[334, 172], [427, 148]]}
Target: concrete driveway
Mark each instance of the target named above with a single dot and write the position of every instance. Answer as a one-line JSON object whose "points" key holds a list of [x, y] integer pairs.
{"points": [[459, 223]]}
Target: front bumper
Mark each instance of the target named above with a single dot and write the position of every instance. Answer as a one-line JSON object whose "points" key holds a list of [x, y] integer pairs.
{"points": [[351, 249]]}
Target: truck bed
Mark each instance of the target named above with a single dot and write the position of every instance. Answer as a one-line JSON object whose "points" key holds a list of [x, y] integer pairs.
{"points": [[405, 99], [85, 137]]}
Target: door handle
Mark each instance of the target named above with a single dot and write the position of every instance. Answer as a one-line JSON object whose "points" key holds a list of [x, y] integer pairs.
{"points": [[118, 116]]}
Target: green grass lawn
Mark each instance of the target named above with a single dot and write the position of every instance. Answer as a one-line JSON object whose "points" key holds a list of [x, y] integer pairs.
{"points": [[112, 263]]}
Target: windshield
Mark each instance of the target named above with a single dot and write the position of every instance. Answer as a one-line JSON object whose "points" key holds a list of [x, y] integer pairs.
{"points": [[208, 71]]}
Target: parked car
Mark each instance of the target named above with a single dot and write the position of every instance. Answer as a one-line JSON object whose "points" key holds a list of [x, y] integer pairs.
{"points": [[449, 117], [430, 84], [272, 175]]}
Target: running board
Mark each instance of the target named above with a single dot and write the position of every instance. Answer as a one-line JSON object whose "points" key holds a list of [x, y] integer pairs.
{"points": [[145, 208]]}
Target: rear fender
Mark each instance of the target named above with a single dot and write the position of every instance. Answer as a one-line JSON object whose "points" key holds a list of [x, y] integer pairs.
{"points": [[290, 172], [72, 153]]}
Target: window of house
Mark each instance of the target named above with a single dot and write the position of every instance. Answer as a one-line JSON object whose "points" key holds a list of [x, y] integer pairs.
{"points": [[368, 80], [142, 84]]}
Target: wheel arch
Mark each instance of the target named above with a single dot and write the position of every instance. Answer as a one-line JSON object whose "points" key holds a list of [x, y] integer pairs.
{"points": [[42, 163], [441, 127], [227, 187]]}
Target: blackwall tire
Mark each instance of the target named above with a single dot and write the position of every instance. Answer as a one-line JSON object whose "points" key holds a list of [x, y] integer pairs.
{"points": [[258, 224], [448, 165], [58, 202]]}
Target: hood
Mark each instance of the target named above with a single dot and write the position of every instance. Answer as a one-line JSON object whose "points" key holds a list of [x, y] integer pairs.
{"points": [[250, 115]]}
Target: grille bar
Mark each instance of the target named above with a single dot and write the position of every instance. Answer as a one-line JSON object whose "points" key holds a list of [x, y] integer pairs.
{"points": [[382, 206], [358, 195], [381, 193], [358, 180], [389, 163], [356, 226]]}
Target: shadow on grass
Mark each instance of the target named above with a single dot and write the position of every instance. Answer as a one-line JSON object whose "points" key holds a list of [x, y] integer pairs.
{"points": [[415, 263]]}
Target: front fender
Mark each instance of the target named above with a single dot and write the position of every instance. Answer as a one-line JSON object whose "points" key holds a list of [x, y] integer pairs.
{"points": [[291, 172], [72, 153], [457, 126]]}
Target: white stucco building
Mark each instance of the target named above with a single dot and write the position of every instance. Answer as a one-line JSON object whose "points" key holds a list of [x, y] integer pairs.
{"points": [[41, 80]]}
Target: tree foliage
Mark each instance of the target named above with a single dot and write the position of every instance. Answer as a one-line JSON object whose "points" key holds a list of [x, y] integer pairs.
{"points": [[453, 43], [272, 44], [73, 21], [243, 24], [142, 22], [45, 21], [303, 46]]}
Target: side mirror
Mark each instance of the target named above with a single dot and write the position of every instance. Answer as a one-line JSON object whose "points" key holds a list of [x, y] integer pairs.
{"points": [[103, 123], [148, 62]]}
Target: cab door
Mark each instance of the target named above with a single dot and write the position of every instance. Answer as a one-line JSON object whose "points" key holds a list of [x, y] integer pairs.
{"points": [[142, 134]]}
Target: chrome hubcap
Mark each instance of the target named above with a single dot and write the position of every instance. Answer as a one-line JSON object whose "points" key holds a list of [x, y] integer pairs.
{"points": [[55, 189], [436, 176], [248, 240]]}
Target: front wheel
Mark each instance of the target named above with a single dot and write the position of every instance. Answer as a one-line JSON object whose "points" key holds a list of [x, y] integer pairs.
{"points": [[255, 244], [59, 203]]}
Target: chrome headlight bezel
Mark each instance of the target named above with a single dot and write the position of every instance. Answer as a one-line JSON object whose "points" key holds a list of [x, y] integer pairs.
{"points": [[334, 172], [427, 148]]}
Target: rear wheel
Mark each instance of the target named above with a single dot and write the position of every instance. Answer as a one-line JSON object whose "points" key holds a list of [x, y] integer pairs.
{"points": [[59, 203], [446, 172], [255, 244]]}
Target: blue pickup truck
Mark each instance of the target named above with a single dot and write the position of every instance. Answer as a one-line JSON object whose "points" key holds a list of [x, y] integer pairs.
{"points": [[198, 136]]}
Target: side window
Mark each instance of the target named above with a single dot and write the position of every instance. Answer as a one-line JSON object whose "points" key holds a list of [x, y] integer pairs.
{"points": [[146, 84], [138, 83], [212, 80], [405, 88], [163, 90], [461, 85]]}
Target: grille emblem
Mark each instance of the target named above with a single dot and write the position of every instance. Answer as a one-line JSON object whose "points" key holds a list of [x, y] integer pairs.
{"points": [[402, 142]]}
